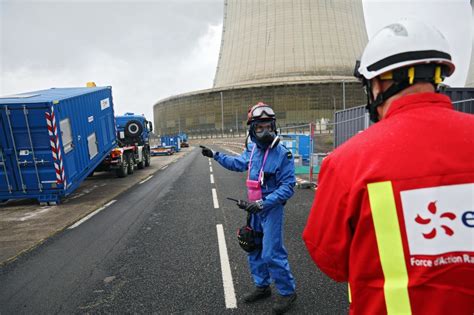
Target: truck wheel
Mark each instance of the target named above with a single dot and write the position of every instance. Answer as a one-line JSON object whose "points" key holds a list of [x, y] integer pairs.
{"points": [[131, 164], [123, 170], [147, 158]]}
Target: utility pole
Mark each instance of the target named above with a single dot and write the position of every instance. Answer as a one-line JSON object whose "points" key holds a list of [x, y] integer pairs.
{"points": [[344, 94], [222, 115], [236, 121]]}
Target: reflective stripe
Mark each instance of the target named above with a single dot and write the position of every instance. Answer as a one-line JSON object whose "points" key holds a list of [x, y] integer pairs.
{"points": [[349, 292], [389, 243]]}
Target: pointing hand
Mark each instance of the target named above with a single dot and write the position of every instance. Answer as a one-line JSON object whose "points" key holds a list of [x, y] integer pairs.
{"points": [[207, 152]]}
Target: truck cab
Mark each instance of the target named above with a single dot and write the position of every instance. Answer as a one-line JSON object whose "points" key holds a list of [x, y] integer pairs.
{"points": [[133, 129], [133, 149]]}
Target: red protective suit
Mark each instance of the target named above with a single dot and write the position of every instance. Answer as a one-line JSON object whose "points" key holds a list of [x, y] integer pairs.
{"points": [[394, 211]]}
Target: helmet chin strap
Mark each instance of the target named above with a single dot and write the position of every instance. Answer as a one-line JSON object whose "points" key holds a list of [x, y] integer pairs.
{"points": [[382, 97]]}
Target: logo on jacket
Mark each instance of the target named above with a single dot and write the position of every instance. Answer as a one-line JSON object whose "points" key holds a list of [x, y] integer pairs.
{"points": [[445, 215], [439, 220]]}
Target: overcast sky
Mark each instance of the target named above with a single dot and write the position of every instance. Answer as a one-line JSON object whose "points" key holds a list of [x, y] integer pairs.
{"points": [[149, 50]]}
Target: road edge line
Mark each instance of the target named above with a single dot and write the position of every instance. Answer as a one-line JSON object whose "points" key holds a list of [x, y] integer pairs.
{"points": [[90, 215]]}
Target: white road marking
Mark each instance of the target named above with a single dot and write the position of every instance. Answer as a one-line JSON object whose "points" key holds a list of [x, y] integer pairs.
{"points": [[229, 292], [210, 168], [145, 180], [212, 179], [90, 215], [214, 198], [164, 167]]}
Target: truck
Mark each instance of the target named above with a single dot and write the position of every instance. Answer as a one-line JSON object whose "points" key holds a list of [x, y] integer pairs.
{"points": [[51, 140], [133, 146], [184, 140]]}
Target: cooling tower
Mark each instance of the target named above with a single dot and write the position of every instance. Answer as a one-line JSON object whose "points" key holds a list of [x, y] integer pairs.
{"points": [[269, 41], [296, 55], [470, 74]]}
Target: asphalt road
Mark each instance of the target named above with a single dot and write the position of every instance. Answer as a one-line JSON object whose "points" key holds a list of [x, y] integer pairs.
{"points": [[156, 250]]}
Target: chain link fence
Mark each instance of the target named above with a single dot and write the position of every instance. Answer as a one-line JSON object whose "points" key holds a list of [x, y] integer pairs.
{"points": [[311, 142]]}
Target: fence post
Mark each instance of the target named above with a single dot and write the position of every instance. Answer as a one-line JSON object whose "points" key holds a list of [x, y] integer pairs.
{"points": [[311, 149]]}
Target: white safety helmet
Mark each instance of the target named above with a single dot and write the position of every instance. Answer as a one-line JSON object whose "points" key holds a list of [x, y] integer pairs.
{"points": [[405, 52], [407, 42]]}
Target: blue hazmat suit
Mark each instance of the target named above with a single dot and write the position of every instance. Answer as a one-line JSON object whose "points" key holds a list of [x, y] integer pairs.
{"points": [[270, 262]]}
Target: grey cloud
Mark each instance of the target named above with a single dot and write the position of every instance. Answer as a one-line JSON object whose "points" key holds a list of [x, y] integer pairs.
{"points": [[54, 35], [143, 49]]}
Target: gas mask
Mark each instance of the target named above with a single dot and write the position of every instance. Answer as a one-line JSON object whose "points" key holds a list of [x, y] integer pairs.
{"points": [[265, 137]]}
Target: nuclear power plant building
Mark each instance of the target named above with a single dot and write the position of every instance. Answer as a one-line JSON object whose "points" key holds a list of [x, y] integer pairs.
{"points": [[297, 56]]}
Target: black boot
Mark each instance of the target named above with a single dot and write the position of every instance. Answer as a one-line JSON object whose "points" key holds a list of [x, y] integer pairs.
{"points": [[257, 294], [284, 303]]}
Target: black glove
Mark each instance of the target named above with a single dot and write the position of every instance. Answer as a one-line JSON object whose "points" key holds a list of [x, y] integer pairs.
{"points": [[207, 152], [255, 206], [242, 204]]}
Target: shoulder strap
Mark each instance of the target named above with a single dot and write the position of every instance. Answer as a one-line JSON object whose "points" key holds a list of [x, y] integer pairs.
{"points": [[260, 174], [250, 162]]}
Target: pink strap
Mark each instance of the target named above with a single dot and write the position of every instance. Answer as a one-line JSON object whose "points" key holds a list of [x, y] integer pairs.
{"points": [[250, 162], [260, 174]]}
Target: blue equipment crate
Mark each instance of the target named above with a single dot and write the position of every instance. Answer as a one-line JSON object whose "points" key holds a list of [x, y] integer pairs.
{"points": [[298, 144], [173, 141], [51, 140]]}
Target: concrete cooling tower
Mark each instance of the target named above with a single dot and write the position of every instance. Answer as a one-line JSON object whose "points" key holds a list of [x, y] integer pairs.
{"points": [[470, 74], [296, 55], [270, 41]]}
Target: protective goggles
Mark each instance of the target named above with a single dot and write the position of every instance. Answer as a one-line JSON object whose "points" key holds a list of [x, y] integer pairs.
{"points": [[262, 126], [260, 112]]}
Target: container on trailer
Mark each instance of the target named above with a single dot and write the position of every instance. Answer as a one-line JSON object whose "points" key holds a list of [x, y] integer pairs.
{"points": [[183, 136], [174, 141], [51, 140]]}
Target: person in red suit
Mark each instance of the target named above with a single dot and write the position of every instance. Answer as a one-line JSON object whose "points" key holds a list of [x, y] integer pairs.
{"points": [[393, 213]]}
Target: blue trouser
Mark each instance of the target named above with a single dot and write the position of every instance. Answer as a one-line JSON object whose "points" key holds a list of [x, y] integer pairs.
{"points": [[271, 262]]}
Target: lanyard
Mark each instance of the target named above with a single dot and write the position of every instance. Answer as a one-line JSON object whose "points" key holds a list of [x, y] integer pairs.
{"points": [[260, 174]]}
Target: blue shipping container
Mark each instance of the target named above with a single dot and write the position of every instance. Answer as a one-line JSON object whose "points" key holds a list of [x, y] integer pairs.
{"points": [[51, 140], [298, 144], [173, 141]]}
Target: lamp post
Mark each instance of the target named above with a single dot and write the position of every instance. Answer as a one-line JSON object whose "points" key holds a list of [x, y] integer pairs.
{"points": [[222, 115], [344, 94], [236, 121]]}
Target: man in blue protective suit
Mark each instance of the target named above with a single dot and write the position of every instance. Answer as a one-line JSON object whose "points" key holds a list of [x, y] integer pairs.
{"points": [[270, 183]]}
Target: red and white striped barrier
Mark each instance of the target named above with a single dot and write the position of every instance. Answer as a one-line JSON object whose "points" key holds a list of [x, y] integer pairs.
{"points": [[55, 148]]}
